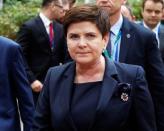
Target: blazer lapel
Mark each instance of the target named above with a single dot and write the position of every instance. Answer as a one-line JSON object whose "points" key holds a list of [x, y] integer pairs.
{"points": [[108, 85], [107, 90], [126, 40], [66, 94], [43, 33]]}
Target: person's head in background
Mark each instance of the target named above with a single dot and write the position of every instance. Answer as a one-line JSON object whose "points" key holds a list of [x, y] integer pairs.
{"points": [[66, 7], [86, 29], [113, 7], [52, 9], [127, 12], [67, 4], [152, 12]]}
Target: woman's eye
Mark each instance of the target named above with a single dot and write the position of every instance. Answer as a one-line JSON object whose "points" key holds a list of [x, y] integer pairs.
{"points": [[73, 37], [90, 36]]}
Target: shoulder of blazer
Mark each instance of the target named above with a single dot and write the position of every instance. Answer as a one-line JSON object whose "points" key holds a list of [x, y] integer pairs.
{"points": [[57, 24], [9, 49], [63, 70], [36, 27], [136, 28], [128, 70], [58, 28], [8, 43], [121, 71], [33, 23]]}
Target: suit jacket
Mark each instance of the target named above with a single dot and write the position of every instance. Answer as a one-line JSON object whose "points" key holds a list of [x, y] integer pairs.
{"points": [[161, 39], [14, 89], [53, 112], [36, 47], [139, 47]]}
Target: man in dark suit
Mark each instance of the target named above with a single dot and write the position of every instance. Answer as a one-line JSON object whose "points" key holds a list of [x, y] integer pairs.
{"points": [[43, 43], [152, 15], [15, 91], [132, 44]]}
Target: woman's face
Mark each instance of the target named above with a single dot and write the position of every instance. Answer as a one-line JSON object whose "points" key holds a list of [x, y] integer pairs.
{"points": [[85, 42]]}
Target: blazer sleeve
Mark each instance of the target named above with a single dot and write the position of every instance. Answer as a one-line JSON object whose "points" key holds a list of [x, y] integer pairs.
{"points": [[42, 117], [143, 108], [22, 88], [155, 76], [24, 38]]}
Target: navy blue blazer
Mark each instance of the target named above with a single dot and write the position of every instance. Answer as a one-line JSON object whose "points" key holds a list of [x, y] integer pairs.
{"points": [[53, 111], [161, 40], [35, 43], [14, 89], [139, 47]]}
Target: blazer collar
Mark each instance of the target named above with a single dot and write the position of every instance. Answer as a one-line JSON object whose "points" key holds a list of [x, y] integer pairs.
{"points": [[126, 39]]}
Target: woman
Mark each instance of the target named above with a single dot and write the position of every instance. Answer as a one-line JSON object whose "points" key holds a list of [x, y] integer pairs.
{"points": [[93, 93]]}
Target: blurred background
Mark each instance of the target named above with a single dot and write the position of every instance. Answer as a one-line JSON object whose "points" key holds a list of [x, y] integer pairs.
{"points": [[13, 13]]}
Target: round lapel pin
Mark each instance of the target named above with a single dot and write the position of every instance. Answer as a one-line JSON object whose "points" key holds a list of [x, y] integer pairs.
{"points": [[128, 35]]}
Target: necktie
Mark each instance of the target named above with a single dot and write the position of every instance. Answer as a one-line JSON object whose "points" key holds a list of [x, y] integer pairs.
{"points": [[51, 34], [115, 44]]}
